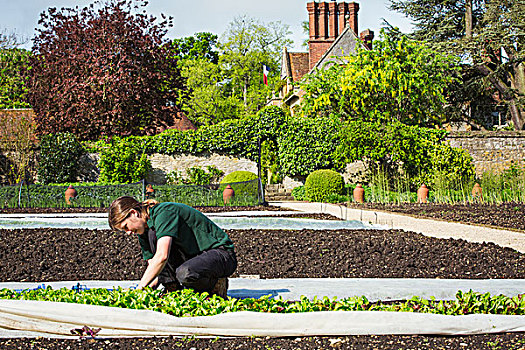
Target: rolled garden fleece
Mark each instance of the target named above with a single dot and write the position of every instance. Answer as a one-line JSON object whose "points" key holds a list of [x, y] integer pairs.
{"points": [[52, 319]]}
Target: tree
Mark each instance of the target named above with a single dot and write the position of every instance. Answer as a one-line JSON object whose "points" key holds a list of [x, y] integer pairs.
{"points": [[13, 64], [9, 40], [399, 80], [104, 71], [208, 99], [199, 46], [246, 46], [478, 31], [13, 90], [17, 143]]}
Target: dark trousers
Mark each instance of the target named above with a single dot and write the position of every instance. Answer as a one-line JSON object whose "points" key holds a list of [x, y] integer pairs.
{"points": [[200, 272]]}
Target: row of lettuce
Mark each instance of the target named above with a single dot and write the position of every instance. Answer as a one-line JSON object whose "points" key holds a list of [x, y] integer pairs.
{"points": [[186, 303], [290, 146]]}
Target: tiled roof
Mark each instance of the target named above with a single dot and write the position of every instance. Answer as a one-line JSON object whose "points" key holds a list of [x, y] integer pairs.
{"points": [[181, 122], [299, 64]]}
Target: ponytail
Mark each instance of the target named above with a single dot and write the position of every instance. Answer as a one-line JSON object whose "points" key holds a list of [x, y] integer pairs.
{"points": [[121, 207]]}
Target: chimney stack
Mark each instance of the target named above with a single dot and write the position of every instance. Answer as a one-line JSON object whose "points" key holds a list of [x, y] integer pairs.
{"points": [[327, 22], [367, 36]]}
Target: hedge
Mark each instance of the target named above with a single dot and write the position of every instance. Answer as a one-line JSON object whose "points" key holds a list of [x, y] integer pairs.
{"points": [[298, 146]]}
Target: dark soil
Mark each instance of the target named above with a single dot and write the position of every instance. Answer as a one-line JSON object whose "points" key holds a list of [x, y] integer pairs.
{"points": [[508, 341], [78, 254], [505, 215], [59, 254], [105, 210]]}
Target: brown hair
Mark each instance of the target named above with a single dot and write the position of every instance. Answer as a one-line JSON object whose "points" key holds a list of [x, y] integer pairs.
{"points": [[120, 208]]}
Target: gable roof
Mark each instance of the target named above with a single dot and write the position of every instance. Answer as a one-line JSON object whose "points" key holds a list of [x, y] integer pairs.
{"points": [[294, 65], [181, 122], [344, 45]]}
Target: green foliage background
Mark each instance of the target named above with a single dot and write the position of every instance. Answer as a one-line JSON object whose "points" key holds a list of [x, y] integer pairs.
{"points": [[123, 160], [296, 146], [399, 80], [13, 91], [59, 158], [320, 184]]}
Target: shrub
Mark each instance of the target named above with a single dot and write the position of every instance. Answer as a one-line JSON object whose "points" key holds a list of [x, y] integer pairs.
{"points": [[123, 161], [198, 176], [238, 176], [59, 158], [17, 141], [242, 183], [298, 193], [320, 184]]}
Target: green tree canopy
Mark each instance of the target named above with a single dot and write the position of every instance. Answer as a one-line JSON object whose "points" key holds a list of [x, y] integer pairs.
{"points": [[208, 99], [199, 46], [488, 35], [13, 90], [246, 46], [399, 80]]}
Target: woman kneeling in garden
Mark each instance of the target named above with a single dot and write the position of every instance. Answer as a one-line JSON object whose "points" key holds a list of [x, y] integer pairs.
{"points": [[184, 248]]}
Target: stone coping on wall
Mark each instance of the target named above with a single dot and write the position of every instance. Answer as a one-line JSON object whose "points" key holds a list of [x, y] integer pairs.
{"points": [[486, 134]]}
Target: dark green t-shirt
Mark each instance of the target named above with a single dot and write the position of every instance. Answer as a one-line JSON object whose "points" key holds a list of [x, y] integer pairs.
{"points": [[191, 231]]}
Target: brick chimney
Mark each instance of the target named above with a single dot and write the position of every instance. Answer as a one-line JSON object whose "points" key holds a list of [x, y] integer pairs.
{"points": [[367, 36], [327, 21]]}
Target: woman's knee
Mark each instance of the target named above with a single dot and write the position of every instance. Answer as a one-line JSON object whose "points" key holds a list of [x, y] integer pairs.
{"points": [[185, 274]]}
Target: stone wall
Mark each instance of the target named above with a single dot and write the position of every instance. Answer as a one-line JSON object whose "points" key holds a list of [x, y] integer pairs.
{"points": [[491, 151], [163, 164]]}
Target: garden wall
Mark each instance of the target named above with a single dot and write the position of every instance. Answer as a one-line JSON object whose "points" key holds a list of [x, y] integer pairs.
{"points": [[491, 151], [163, 164]]}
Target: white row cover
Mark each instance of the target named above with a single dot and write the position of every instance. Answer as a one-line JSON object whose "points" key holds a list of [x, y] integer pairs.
{"points": [[52, 319]]}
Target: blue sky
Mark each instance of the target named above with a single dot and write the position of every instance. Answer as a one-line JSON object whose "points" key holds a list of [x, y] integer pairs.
{"points": [[213, 16]]}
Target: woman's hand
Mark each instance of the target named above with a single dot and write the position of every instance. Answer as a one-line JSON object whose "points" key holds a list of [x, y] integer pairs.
{"points": [[156, 264]]}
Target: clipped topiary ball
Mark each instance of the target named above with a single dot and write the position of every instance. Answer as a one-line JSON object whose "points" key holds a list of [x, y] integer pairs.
{"points": [[320, 184], [238, 176], [242, 184]]}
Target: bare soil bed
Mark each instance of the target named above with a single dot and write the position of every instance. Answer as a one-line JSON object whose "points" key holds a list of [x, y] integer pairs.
{"points": [[505, 215], [75, 254], [105, 210]]}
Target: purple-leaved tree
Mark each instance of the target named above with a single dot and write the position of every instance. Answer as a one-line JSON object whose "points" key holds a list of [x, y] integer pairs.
{"points": [[103, 70]]}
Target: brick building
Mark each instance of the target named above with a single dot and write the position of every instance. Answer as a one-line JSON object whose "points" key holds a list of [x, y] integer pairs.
{"points": [[333, 28]]}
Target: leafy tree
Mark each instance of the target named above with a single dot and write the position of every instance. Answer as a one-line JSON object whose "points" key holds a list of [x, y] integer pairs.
{"points": [[199, 46], [13, 63], [399, 80], [246, 46], [422, 153], [208, 100], [478, 31], [59, 158], [17, 142], [103, 71], [13, 90], [9, 40]]}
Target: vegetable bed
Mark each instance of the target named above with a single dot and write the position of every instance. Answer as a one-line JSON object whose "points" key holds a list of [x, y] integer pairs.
{"points": [[52, 255]]}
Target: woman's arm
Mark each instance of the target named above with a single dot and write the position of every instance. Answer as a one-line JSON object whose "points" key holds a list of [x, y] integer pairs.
{"points": [[157, 263]]}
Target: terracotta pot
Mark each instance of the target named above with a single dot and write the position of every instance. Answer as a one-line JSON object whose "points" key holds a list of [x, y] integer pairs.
{"points": [[359, 194], [422, 194], [150, 192], [70, 193], [228, 194], [477, 192]]}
